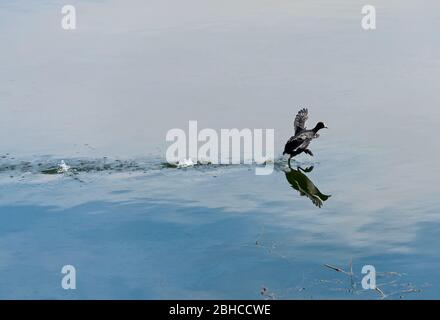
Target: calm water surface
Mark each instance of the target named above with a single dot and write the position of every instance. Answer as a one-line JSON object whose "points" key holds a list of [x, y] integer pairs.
{"points": [[102, 98]]}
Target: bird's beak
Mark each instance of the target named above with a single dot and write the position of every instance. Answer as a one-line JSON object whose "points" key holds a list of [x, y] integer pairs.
{"points": [[326, 127]]}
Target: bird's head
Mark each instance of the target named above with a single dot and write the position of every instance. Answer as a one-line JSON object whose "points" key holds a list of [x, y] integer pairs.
{"points": [[319, 126]]}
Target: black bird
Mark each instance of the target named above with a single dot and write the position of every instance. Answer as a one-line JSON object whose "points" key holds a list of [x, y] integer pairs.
{"points": [[300, 141], [301, 183]]}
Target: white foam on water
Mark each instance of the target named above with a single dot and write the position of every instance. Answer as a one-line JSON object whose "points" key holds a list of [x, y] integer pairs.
{"points": [[185, 163], [63, 167]]}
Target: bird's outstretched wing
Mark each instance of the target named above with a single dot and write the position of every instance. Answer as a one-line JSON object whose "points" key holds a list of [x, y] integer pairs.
{"points": [[300, 120]]}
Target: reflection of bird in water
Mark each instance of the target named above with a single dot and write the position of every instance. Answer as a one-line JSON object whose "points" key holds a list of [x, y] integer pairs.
{"points": [[300, 182], [299, 143]]}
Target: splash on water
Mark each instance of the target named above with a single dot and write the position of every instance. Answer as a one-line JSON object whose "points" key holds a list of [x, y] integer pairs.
{"points": [[12, 167], [63, 167], [185, 163]]}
